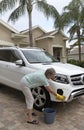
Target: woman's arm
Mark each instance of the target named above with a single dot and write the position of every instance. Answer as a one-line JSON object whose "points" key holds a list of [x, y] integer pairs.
{"points": [[50, 90]]}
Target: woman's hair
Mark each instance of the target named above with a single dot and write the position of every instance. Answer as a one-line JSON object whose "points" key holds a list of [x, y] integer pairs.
{"points": [[49, 71]]}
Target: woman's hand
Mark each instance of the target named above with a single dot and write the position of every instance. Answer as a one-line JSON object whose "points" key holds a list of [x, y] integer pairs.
{"points": [[60, 97]]}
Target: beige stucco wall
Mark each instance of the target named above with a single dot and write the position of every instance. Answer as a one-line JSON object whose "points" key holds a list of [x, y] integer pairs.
{"points": [[59, 41], [5, 34], [45, 44], [49, 43], [21, 42], [36, 33]]}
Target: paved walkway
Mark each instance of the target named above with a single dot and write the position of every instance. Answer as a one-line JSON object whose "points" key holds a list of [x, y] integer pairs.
{"points": [[69, 116]]}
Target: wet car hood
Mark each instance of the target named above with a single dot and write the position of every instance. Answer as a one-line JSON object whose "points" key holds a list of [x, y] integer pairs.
{"points": [[62, 68]]}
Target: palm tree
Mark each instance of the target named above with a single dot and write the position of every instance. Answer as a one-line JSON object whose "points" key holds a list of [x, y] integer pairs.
{"points": [[73, 17], [27, 6]]}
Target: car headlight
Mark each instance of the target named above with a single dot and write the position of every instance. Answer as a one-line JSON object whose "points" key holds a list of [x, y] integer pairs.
{"points": [[62, 78]]}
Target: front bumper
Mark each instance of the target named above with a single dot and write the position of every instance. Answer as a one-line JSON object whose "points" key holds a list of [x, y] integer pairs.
{"points": [[75, 94]]}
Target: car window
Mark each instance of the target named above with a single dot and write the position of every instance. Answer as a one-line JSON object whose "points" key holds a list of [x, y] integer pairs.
{"points": [[38, 56], [9, 55], [14, 56], [4, 55]]}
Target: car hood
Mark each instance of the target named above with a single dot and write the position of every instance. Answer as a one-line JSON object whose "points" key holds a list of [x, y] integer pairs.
{"points": [[62, 68]]}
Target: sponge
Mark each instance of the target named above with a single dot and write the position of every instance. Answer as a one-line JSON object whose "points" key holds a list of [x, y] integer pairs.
{"points": [[60, 97]]}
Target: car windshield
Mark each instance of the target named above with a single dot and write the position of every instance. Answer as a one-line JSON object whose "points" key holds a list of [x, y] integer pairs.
{"points": [[38, 56]]}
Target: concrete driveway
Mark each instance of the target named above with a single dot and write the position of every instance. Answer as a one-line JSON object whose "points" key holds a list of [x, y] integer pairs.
{"points": [[69, 116]]}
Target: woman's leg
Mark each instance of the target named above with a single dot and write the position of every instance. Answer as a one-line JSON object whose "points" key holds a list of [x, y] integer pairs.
{"points": [[29, 100]]}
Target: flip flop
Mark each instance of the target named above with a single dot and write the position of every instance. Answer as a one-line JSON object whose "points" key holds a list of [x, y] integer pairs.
{"points": [[34, 122]]}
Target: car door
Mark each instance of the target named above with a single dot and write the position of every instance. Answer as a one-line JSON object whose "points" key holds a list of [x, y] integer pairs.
{"points": [[12, 73]]}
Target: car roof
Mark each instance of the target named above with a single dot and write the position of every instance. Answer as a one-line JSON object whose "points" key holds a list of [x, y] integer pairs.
{"points": [[19, 48]]}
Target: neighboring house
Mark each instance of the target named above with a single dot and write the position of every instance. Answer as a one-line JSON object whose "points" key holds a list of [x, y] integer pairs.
{"points": [[73, 50], [74, 53], [54, 42]]}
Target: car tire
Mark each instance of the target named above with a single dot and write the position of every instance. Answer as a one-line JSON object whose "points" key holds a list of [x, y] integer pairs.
{"points": [[41, 97]]}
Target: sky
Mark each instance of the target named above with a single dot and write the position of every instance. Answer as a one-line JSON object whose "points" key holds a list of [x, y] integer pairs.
{"points": [[37, 17]]}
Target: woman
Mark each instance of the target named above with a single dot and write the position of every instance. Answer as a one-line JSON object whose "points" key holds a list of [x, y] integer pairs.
{"points": [[32, 80]]}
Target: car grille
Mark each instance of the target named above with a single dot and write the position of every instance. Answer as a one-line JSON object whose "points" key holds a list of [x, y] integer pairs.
{"points": [[77, 79]]}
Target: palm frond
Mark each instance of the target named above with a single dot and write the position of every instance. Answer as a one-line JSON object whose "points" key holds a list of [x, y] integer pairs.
{"points": [[23, 2], [47, 9], [7, 4], [72, 31], [19, 11]]}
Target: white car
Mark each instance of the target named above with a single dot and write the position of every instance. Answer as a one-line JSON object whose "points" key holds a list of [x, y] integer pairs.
{"points": [[16, 62]]}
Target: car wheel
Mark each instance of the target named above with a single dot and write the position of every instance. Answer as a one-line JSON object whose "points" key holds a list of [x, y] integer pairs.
{"points": [[41, 97]]}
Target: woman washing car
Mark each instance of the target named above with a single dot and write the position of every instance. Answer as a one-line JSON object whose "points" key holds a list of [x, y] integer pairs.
{"points": [[32, 80]]}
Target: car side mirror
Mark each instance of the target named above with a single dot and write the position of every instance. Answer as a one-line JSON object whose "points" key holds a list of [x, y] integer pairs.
{"points": [[19, 62]]}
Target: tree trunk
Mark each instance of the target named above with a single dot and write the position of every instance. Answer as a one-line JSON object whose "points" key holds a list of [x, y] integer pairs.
{"points": [[30, 30], [79, 49], [79, 44], [29, 9]]}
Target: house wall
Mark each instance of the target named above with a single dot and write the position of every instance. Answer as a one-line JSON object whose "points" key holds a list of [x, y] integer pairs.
{"points": [[59, 42], [36, 33], [74, 53], [21, 42], [56, 42], [45, 44], [5, 34]]}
